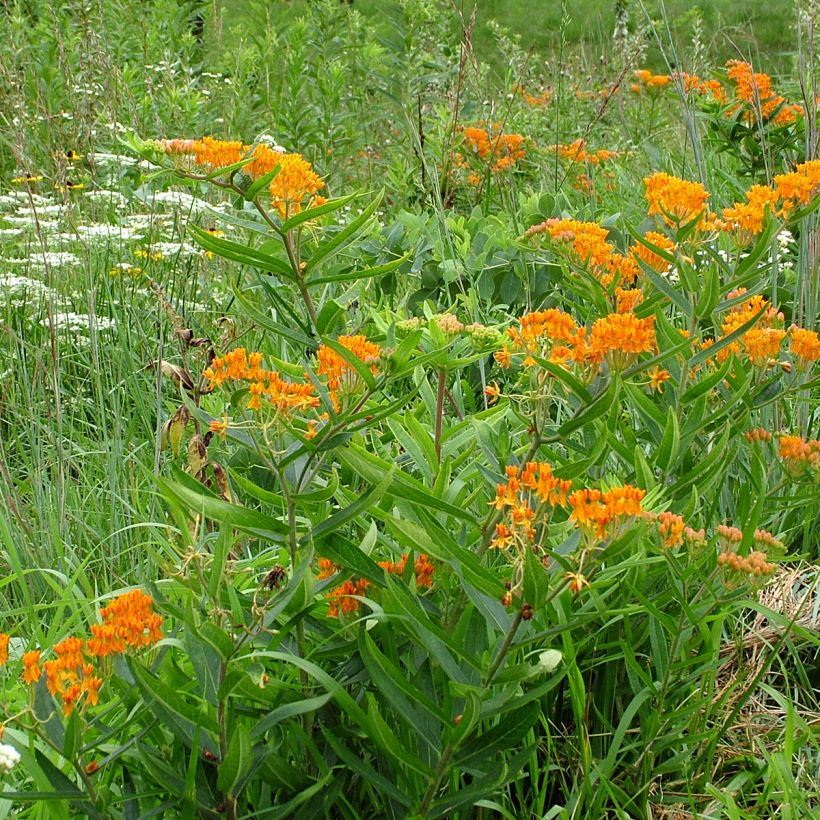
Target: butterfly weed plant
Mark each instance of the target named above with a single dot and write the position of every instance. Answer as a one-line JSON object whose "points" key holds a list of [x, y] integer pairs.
{"points": [[493, 498]]}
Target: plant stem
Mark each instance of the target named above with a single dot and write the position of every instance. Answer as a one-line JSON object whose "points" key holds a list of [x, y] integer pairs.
{"points": [[432, 788], [502, 652], [442, 386]]}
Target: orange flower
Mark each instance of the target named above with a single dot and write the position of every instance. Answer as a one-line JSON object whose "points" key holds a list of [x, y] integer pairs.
{"points": [[576, 582], [492, 392], [657, 377], [677, 201], [339, 373], [341, 599], [90, 687], [805, 346], [671, 529], [798, 455], [31, 666], [525, 490], [798, 187], [327, 568], [758, 434], [651, 81], [749, 217], [619, 337], [649, 257], [128, 622], [295, 184], [422, 567], [490, 143], [757, 92], [220, 426], [595, 511], [4, 648]]}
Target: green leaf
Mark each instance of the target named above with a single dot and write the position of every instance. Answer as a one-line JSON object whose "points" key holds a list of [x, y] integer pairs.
{"points": [[367, 273], [314, 213], [705, 384], [223, 511], [433, 540], [243, 254], [173, 710], [601, 404], [358, 507], [348, 555], [536, 581], [332, 245], [509, 732], [261, 183], [372, 469], [286, 712], [670, 443], [237, 761], [395, 686]]}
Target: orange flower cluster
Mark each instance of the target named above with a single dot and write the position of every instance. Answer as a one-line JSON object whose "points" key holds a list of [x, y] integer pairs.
{"points": [[129, 622], [799, 187], [601, 513], [763, 538], [294, 186], [627, 300], [798, 455], [805, 346], [758, 434], [677, 201], [691, 83], [526, 492], [342, 598], [671, 527], [493, 145], [550, 334], [646, 79], [761, 343], [755, 564], [72, 676], [694, 84], [757, 92], [285, 397], [620, 337], [577, 152], [341, 376], [588, 245], [422, 567], [536, 101], [648, 256], [749, 216], [4, 648]]}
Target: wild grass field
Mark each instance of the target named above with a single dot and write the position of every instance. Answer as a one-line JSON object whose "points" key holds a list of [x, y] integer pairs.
{"points": [[409, 410]]}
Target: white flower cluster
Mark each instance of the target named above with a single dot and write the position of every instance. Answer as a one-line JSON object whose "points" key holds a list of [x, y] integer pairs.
{"points": [[176, 199], [80, 322], [103, 231], [55, 259], [9, 757], [18, 290]]}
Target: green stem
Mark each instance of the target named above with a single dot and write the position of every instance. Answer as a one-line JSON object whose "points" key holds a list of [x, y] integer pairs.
{"points": [[502, 652]]}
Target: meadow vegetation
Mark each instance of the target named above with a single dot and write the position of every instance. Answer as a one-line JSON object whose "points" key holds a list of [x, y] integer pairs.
{"points": [[407, 413]]}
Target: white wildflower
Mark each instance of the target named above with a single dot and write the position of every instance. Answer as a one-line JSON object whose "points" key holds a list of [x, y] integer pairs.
{"points": [[80, 322], [9, 757], [54, 259]]}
